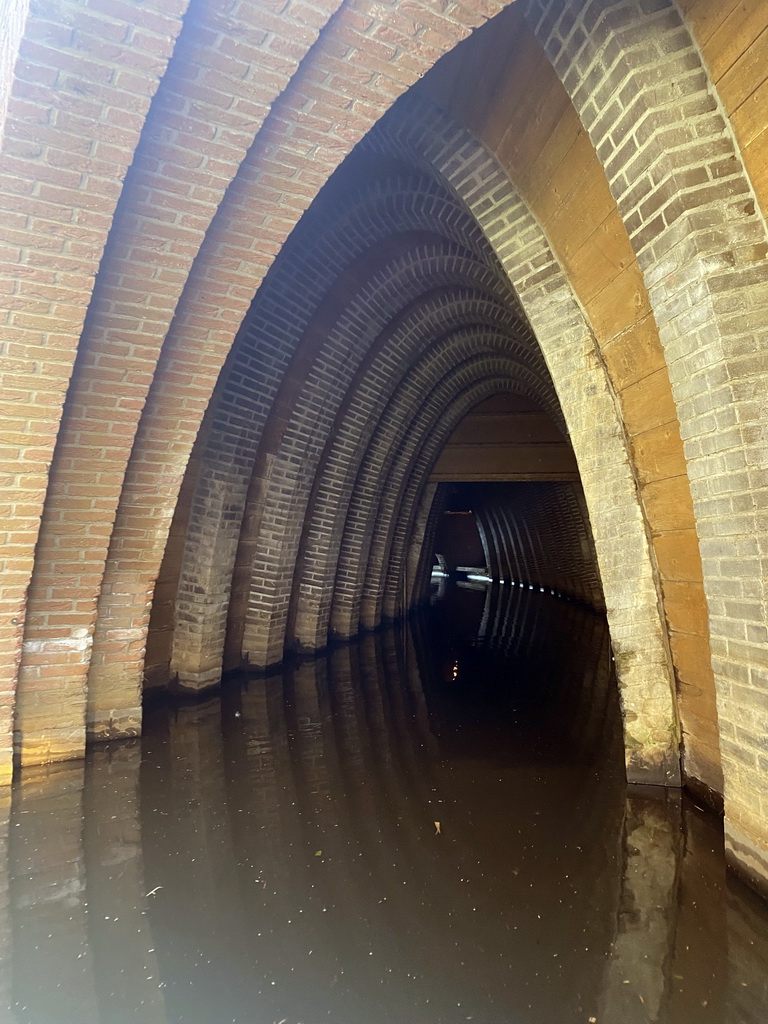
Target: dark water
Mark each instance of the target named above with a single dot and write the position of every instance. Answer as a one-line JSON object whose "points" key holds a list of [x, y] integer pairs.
{"points": [[273, 856]]}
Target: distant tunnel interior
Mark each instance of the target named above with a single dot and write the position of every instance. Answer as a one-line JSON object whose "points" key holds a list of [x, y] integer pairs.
{"points": [[521, 534]]}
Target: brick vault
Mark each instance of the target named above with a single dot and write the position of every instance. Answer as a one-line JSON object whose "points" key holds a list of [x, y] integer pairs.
{"points": [[260, 261]]}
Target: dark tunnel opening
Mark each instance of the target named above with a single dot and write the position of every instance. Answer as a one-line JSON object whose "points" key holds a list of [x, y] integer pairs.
{"points": [[514, 635], [532, 534]]}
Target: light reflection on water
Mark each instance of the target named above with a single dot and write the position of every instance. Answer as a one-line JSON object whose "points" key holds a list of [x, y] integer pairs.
{"points": [[273, 855]]}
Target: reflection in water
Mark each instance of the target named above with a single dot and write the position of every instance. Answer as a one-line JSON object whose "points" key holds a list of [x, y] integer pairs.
{"points": [[273, 855]]}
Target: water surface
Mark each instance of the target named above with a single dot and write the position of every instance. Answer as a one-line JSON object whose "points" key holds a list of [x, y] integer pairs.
{"points": [[430, 826]]}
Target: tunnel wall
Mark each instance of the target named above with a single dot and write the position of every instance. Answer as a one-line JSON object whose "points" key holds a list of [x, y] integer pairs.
{"points": [[539, 533], [230, 122], [533, 534]]}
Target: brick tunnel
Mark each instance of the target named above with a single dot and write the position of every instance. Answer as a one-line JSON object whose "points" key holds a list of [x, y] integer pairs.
{"points": [[283, 281]]}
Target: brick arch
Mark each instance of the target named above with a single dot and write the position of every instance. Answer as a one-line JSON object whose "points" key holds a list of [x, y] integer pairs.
{"points": [[287, 327], [375, 420], [331, 247], [395, 211], [238, 447], [394, 549], [91, 141], [543, 146], [700, 239], [184, 149], [439, 312], [506, 228], [289, 479], [308, 132], [73, 122], [586, 396], [342, 247], [153, 474], [192, 143]]}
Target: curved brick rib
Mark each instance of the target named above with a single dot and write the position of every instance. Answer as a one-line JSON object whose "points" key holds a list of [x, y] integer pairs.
{"points": [[439, 312], [594, 425], [331, 374], [82, 85], [291, 335], [225, 73], [308, 131], [679, 181]]}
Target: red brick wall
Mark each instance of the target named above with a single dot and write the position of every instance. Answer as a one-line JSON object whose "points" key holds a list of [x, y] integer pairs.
{"points": [[82, 85]]}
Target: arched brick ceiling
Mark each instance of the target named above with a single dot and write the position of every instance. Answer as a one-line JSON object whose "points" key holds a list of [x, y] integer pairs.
{"points": [[458, 256], [386, 292]]}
